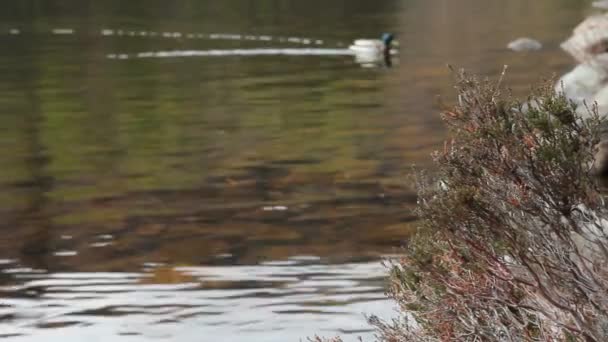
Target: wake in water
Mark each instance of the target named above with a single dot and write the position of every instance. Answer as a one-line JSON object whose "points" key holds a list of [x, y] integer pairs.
{"points": [[181, 35], [365, 60], [235, 52]]}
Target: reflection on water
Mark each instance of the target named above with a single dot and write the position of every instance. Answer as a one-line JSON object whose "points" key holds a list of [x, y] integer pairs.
{"points": [[265, 302], [211, 172]]}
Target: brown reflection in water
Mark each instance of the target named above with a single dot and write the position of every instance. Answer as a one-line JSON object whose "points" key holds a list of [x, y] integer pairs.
{"points": [[198, 226], [33, 219], [166, 275]]}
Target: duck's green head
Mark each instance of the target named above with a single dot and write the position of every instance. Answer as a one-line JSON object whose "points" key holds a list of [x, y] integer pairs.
{"points": [[387, 38]]}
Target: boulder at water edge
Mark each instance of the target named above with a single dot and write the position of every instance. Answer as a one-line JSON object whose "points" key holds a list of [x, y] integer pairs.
{"points": [[525, 44], [585, 83]]}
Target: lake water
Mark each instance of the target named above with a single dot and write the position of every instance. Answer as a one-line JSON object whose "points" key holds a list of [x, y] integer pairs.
{"points": [[239, 195]]}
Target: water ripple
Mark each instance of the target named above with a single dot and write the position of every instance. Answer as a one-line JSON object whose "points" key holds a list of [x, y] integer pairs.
{"points": [[287, 296]]}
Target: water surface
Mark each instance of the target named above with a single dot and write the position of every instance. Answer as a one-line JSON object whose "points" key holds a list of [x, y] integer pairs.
{"points": [[241, 195]]}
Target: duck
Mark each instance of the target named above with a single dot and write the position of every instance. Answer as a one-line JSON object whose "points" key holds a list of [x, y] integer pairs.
{"points": [[373, 51], [378, 46]]}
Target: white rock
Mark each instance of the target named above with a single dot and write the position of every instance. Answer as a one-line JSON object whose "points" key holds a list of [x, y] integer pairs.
{"points": [[525, 44], [600, 160], [583, 84], [601, 99], [588, 39], [600, 4], [587, 84]]}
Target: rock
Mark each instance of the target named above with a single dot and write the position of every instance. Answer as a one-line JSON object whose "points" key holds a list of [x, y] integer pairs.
{"points": [[583, 84], [525, 44], [587, 84], [600, 161], [589, 39], [600, 4], [601, 99]]}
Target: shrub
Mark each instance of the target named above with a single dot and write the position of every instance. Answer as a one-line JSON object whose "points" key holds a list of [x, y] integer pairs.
{"points": [[512, 244]]}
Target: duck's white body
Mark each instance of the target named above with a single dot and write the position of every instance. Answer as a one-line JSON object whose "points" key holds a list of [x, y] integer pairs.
{"points": [[373, 52], [368, 45], [370, 52]]}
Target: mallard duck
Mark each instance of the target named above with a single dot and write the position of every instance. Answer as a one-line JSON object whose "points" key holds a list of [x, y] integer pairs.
{"points": [[373, 46], [373, 52]]}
